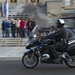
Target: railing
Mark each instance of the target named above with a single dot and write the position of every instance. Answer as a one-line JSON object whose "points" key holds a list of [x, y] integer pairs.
{"points": [[14, 16]]}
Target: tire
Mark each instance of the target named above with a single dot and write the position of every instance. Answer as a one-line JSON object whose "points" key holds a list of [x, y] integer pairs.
{"points": [[29, 60], [70, 62]]}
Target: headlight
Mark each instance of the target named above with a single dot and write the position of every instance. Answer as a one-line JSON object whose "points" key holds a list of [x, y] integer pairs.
{"points": [[34, 36]]}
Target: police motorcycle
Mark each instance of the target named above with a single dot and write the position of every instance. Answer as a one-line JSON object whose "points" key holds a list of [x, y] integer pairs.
{"points": [[37, 51]]}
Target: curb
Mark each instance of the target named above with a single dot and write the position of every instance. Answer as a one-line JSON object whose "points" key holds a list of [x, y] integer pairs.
{"points": [[10, 58]]}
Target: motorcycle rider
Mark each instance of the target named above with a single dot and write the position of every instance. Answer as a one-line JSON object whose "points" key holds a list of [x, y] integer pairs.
{"points": [[60, 38]]}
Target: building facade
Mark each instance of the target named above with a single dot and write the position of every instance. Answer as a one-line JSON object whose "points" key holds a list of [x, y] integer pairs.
{"points": [[22, 1], [54, 7], [60, 7]]}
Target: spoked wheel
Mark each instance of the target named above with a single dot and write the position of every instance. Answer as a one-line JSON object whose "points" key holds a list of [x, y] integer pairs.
{"points": [[70, 62], [30, 60]]}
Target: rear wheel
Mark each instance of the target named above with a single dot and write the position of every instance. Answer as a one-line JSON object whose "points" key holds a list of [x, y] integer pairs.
{"points": [[30, 60], [70, 62]]}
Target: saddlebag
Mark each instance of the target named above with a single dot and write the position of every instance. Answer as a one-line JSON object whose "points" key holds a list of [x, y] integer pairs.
{"points": [[71, 49]]}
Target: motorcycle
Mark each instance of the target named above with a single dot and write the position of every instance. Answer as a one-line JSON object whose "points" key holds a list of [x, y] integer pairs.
{"points": [[38, 52]]}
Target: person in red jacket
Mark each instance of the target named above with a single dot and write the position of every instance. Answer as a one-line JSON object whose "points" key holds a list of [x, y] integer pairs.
{"points": [[22, 30], [28, 24]]}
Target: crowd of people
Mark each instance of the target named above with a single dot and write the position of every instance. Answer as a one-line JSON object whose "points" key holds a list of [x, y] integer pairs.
{"points": [[18, 27]]}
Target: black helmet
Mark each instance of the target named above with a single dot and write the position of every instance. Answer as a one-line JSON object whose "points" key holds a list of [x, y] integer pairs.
{"points": [[60, 23]]}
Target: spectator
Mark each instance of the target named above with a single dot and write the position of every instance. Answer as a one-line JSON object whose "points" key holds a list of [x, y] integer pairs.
{"points": [[22, 30], [18, 27], [3, 28], [28, 27], [7, 25], [13, 27], [33, 24]]}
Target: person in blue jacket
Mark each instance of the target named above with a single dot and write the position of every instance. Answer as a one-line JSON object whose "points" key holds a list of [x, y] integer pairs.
{"points": [[7, 26]]}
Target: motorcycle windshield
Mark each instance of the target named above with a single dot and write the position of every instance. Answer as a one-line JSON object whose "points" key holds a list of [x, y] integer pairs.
{"points": [[36, 31]]}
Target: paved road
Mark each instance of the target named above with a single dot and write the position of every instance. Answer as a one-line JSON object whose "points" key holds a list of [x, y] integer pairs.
{"points": [[15, 67]]}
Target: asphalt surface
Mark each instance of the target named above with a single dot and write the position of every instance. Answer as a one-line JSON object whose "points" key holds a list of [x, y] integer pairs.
{"points": [[15, 67]]}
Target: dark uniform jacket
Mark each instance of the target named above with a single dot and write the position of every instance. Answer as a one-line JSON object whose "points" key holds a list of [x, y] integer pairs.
{"points": [[59, 35]]}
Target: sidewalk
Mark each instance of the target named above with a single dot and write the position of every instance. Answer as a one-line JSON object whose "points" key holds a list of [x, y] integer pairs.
{"points": [[11, 52]]}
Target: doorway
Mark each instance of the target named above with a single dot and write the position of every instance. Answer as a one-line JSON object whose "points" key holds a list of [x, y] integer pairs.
{"points": [[37, 1], [34, 1], [13, 1]]}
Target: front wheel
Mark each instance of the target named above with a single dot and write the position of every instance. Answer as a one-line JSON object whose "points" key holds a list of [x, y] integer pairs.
{"points": [[70, 62], [29, 60]]}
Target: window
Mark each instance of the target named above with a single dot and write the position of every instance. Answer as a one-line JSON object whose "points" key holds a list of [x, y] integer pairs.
{"points": [[13, 1], [67, 2]]}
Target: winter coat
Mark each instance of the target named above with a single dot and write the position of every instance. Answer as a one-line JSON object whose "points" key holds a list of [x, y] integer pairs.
{"points": [[22, 24], [3, 25], [28, 25], [32, 25], [13, 26], [7, 24]]}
